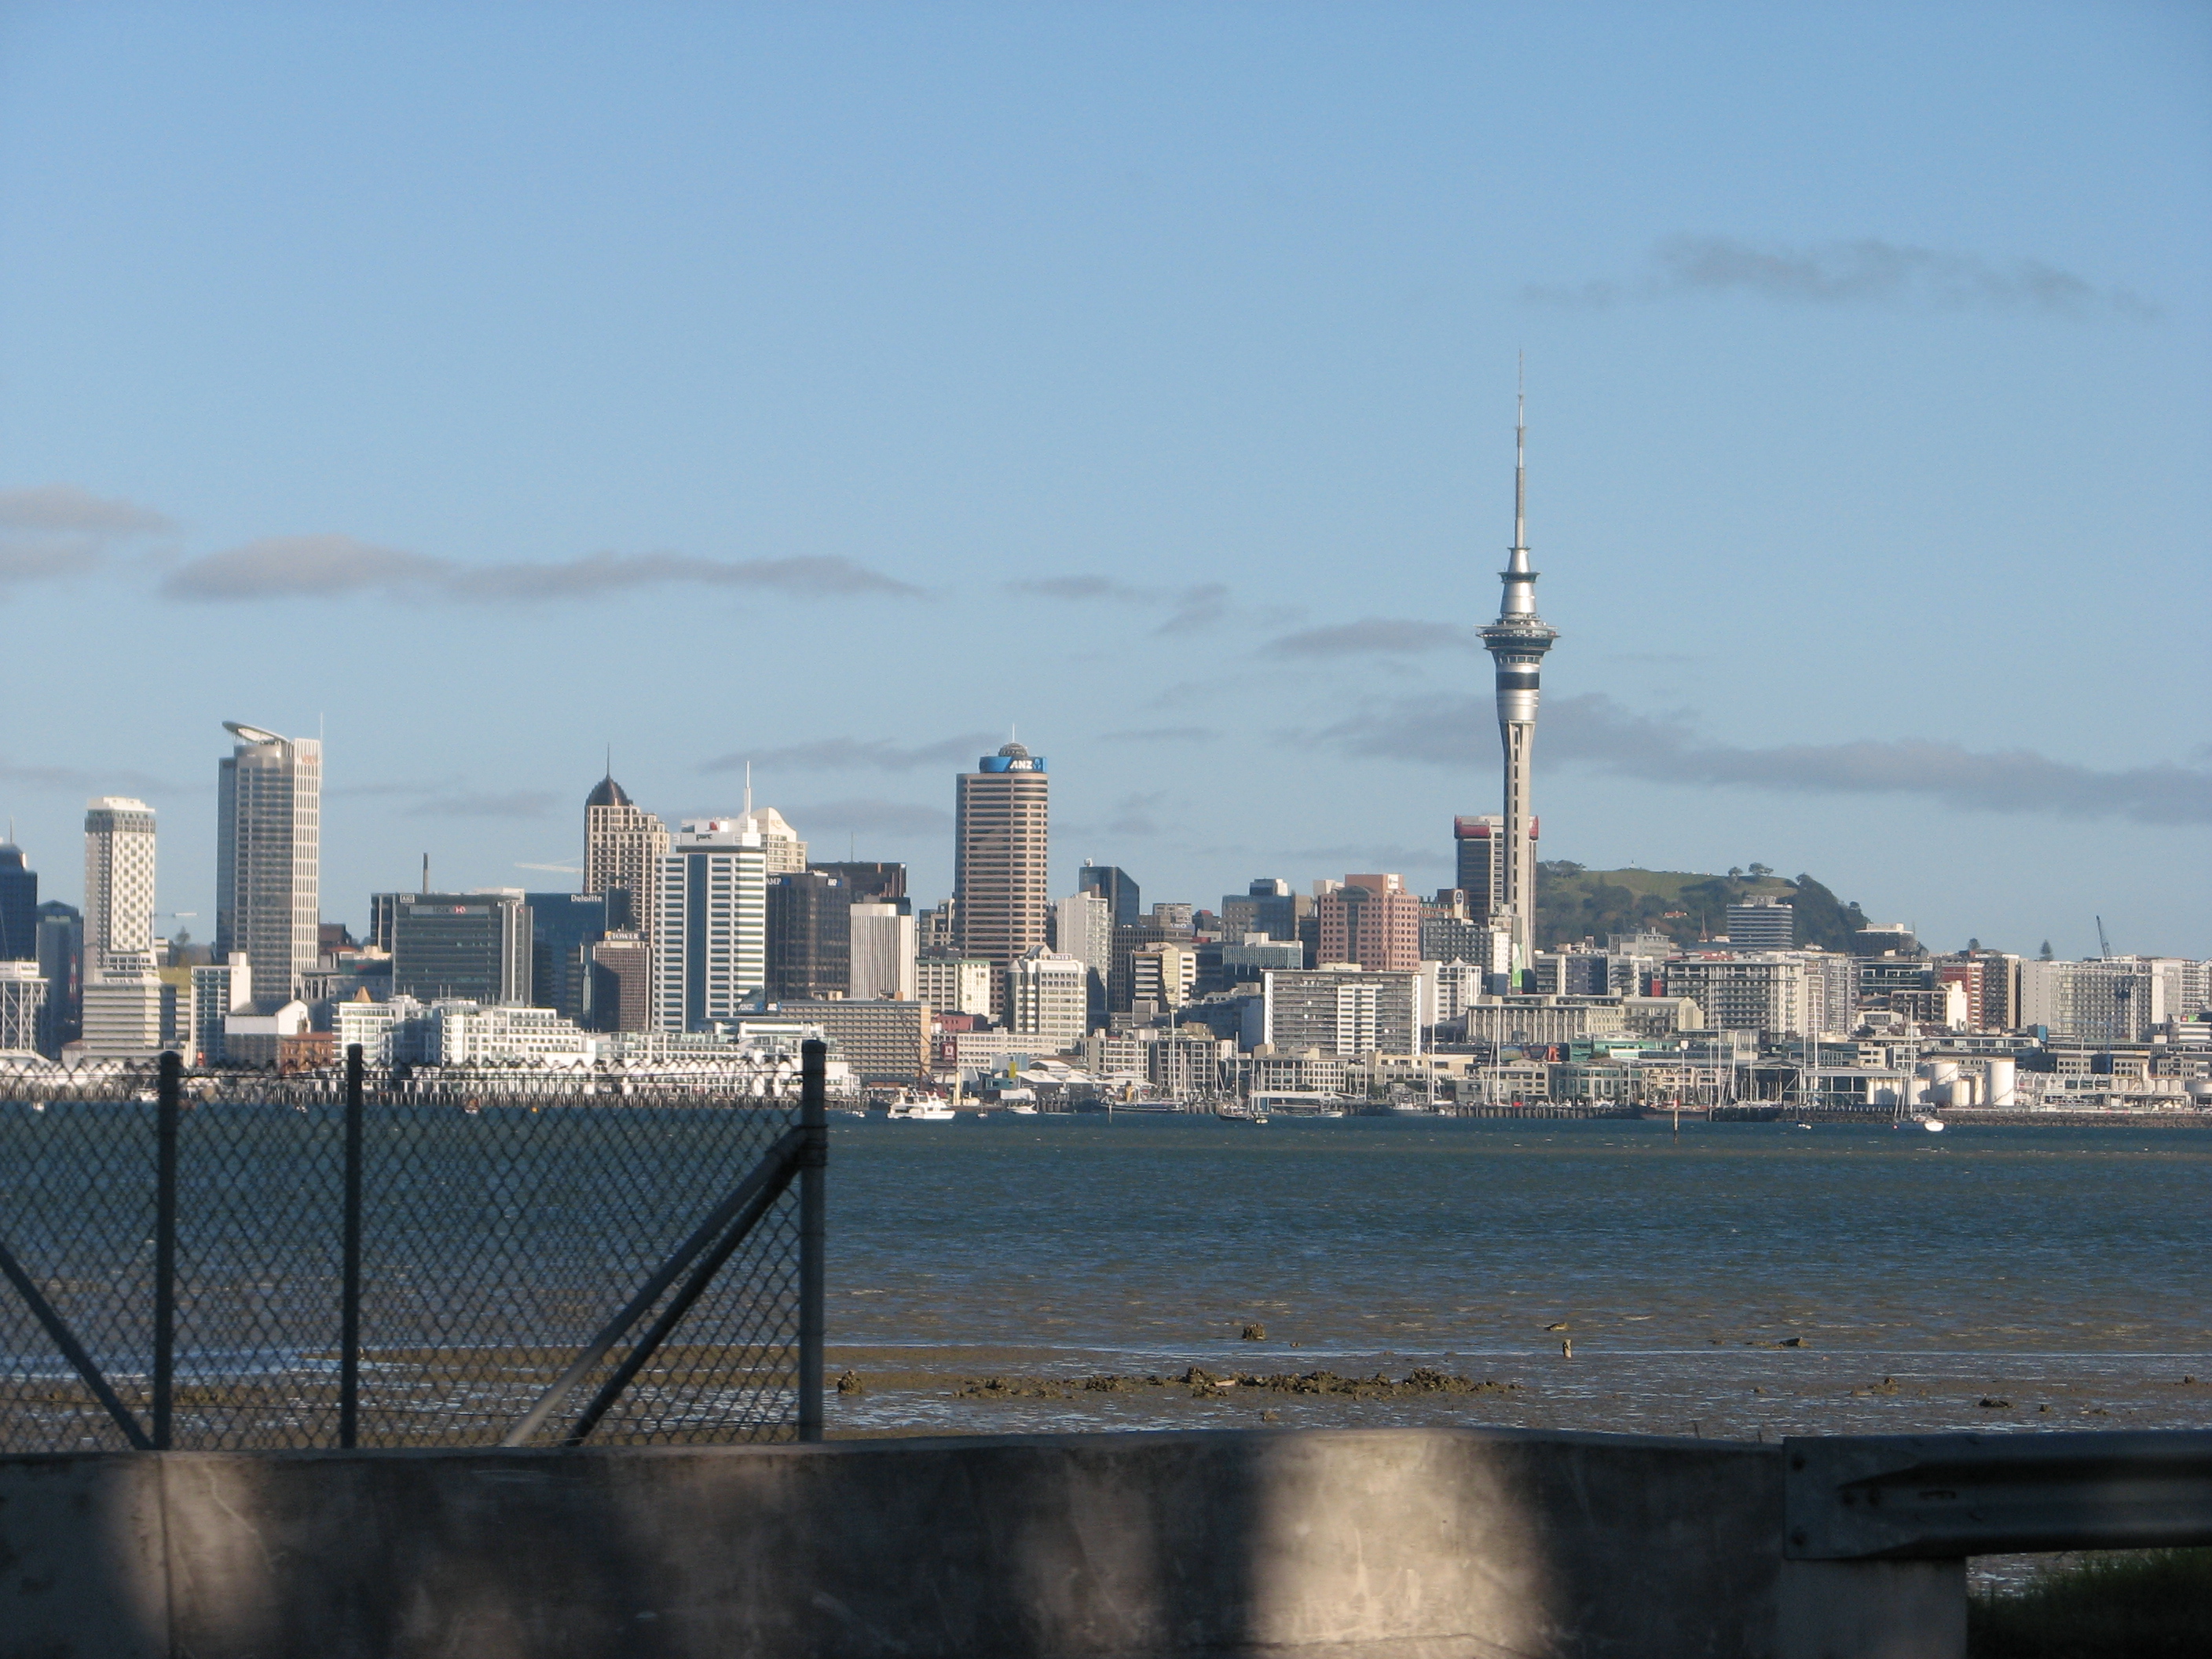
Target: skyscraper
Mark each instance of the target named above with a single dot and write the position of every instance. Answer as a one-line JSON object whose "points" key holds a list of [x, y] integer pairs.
{"points": [[474, 947], [122, 999], [1000, 893], [624, 845], [1116, 886], [268, 898], [19, 905], [1481, 842], [1517, 642], [710, 937]]}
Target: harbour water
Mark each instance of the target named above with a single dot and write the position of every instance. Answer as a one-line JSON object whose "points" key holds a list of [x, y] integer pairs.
{"points": [[1742, 1280]]}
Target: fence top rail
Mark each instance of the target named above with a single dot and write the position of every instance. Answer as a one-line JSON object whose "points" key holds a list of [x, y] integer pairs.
{"points": [[1942, 1496]]}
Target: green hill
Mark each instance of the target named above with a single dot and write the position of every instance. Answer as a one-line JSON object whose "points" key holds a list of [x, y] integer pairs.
{"points": [[1573, 904]]}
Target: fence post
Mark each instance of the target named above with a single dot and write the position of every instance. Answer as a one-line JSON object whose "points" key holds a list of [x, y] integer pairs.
{"points": [[349, 1292], [169, 1098], [813, 1118]]}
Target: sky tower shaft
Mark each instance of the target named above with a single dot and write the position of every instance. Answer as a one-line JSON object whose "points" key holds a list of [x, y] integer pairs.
{"points": [[1517, 642]]}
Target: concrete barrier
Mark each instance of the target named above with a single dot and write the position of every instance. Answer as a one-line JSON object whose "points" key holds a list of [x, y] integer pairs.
{"points": [[1370, 1544]]}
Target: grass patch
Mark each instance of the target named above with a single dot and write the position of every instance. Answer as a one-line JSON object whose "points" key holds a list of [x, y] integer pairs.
{"points": [[2144, 1604]]}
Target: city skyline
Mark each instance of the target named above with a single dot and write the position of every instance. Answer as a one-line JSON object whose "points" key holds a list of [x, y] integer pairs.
{"points": [[1139, 380]]}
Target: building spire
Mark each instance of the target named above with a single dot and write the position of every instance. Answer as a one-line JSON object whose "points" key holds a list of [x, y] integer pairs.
{"points": [[749, 789], [1521, 461]]}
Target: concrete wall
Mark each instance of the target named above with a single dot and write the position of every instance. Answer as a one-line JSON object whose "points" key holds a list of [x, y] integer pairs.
{"points": [[1378, 1544]]}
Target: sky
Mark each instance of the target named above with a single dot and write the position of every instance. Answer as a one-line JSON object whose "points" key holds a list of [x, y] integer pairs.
{"points": [[843, 388]]}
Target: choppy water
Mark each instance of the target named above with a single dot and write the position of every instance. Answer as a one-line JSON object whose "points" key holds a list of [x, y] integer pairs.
{"points": [[2058, 1271]]}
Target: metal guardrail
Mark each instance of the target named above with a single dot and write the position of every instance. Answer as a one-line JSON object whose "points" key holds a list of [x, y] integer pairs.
{"points": [[1934, 1497]]}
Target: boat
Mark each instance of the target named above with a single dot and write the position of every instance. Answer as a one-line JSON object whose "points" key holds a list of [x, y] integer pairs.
{"points": [[1023, 1108], [1933, 1125], [922, 1110]]}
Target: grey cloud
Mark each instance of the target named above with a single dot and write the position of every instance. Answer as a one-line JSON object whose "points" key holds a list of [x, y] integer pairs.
{"points": [[1133, 815], [1376, 635], [78, 780], [1867, 272], [1162, 734], [59, 530], [64, 507], [867, 815], [1595, 730], [301, 567], [325, 565], [859, 754], [1189, 609], [514, 803]]}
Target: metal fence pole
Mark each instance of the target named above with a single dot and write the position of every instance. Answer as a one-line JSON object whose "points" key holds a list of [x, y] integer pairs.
{"points": [[814, 1119], [169, 1098], [349, 1291]]}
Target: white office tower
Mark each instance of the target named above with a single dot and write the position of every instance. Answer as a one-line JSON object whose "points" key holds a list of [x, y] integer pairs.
{"points": [[1762, 924], [268, 892], [786, 853], [22, 994], [710, 933], [218, 990], [1049, 998], [1517, 642], [882, 953], [122, 991]]}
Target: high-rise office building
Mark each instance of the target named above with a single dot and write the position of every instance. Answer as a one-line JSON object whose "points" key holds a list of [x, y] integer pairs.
{"points": [[810, 933], [22, 1005], [1267, 906], [1049, 998], [883, 956], [1762, 924], [1481, 843], [872, 883], [1117, 887], [121, 1009], [623, 845], [268, 894], [778, 841], [563, 929], [1082, 927], [710, 934], [1001, 895], [1374, 922], [621, 982], [474, 947], [954, 985], [1517, 642], [19, 906]]}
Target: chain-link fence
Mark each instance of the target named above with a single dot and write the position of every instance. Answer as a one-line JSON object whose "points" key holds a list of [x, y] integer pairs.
{"points": [[237, 1261]]}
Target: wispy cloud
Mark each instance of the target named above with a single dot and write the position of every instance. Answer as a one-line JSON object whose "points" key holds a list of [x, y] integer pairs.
{"points": [[59, 530], [74, 779], [1162, 734], [1374, 636], [1595, 730], [1188, 608], [1865, 272], [334, 566], [513, 804], [859, 755], [553, 869], [866, 816]]}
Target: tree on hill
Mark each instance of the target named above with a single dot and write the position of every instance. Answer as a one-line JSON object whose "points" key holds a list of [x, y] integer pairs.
{"points": [[1821, 920]]}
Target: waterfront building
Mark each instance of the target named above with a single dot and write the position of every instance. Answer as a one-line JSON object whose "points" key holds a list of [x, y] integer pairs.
{"points": [[1480, 844], [1162, 976], [22, 1005], [1768, 994], [1540, 1022], [472, 946], [1082, 927], [1517, 641], [954, 984], [19, 906], [882, 1041], [1991, 981], [710, 941], [1341, 1010], [624, 845], [563, 929], [1130, 937], [882, 953], [622, 982], [1116, 886], [1001, 890], [809, 932], [213, 992], [260, 1037], [2112, 1000], [268, 892], [1762, 924], [1049, 998], [1373, 920]]}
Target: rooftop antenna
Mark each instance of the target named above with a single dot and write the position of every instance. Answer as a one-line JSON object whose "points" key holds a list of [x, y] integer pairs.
{"points": [[749, 789], [611, 760], [426, 873]]}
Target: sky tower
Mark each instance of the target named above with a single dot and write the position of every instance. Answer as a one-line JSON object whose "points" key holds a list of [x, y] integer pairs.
{"points": [[1516, 641]]}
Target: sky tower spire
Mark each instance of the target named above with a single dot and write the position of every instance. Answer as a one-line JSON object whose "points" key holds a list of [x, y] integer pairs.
{"points": [[1517, 642]]}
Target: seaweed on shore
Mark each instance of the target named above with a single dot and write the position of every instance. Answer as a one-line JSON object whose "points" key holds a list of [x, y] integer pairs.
{"points": [[2148, 1604], [1200, 1382]]}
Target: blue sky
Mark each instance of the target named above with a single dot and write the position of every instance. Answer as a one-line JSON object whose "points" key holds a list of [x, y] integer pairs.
{"points": [[838, 386]]}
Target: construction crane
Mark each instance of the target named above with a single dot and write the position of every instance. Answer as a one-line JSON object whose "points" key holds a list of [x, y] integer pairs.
{"points": [[2103, 946]]}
